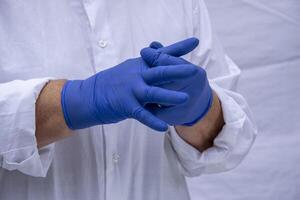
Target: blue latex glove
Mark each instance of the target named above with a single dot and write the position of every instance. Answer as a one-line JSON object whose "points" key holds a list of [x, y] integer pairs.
{"points": [[196, 86], [121, 92]]}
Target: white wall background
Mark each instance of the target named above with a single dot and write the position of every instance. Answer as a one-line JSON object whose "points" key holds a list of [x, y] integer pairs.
{"points": [[263, 38]]}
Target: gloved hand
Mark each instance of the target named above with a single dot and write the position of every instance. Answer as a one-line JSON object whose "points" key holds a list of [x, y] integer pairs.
{"points": [[196, 86], [121, 92]]}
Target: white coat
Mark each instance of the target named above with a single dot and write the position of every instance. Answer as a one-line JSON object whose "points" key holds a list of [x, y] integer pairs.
{"points": [[73, 39]]}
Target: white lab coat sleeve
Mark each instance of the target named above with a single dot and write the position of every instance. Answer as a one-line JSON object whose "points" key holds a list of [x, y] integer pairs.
{"points": [[18, 147], [238, 134]]}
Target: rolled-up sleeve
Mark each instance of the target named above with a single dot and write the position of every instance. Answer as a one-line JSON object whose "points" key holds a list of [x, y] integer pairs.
{"points": [[18, 147], [238, 134]]}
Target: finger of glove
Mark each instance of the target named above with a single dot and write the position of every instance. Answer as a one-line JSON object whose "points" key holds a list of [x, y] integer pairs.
{"points": [[161, 74], [155, 45], [180, 48], [169, 114], [156, 58], [147, 118], [163, 96]]}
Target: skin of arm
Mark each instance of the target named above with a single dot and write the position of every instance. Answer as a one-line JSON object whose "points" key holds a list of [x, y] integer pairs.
{"points": [[202, 134], [50, 122], [51, 126]]}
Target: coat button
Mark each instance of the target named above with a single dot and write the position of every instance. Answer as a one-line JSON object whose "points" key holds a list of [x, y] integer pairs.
{"points": [[115, 158], [102, 43]]}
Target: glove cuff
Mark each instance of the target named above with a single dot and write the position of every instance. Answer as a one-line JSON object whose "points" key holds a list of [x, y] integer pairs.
{"points": [[64, 105], [207, 92], [75, 107]]}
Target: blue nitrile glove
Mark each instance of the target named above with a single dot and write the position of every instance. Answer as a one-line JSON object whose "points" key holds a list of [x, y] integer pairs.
{"points": [[196, 86], [120, 92]]}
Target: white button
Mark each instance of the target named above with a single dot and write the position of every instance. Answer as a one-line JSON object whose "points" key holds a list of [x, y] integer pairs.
{"points": [[102, 43], [115, 158]]}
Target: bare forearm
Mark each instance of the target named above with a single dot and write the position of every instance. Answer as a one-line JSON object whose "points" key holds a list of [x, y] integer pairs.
{"points": [[50, 123], [202, 134]]}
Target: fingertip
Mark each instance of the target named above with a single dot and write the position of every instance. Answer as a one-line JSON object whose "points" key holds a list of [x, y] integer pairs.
{"points": [[181, 98], [159, 125], [148, 119], [191, 69], [194, 40], [163, 127], [156, 45], [185, 97]]}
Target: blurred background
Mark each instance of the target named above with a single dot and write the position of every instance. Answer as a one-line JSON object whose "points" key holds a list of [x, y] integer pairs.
{"points": [[263, 38]]}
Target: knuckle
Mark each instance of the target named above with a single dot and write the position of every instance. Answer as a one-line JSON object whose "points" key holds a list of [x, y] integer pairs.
{"points": [[162, 74], [202, 72], [149, 93], [192, 66], [202, 76], [137, 112], [139, 91], [145, 74]]}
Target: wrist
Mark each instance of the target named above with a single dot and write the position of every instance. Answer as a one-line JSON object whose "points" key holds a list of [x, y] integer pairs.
{"points": [[75, 109]]}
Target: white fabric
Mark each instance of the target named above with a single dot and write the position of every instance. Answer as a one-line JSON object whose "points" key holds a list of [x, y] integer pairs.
{"points": [[264, 38], [73, 39]]}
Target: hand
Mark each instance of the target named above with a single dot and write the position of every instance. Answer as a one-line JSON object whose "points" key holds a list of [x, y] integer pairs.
{"points": [[196, 86], [124, 91]]}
